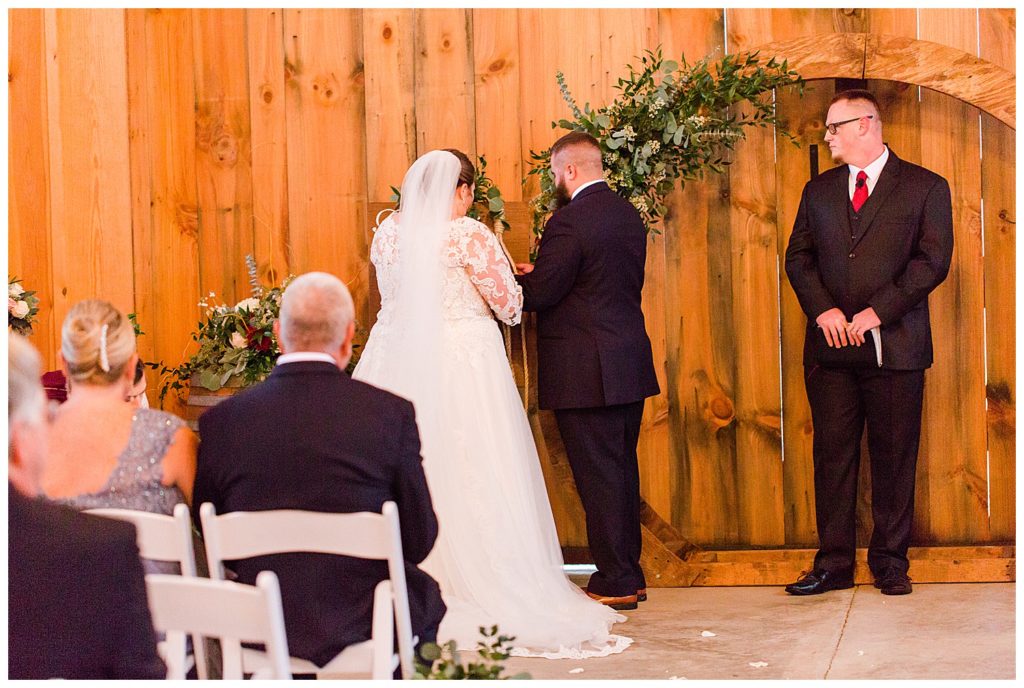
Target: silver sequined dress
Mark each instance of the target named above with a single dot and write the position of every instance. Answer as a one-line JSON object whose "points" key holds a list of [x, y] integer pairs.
{"points": [[135, 481]]}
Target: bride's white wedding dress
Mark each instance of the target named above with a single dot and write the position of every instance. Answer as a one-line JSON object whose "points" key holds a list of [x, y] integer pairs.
{"points": [[497, 557]]}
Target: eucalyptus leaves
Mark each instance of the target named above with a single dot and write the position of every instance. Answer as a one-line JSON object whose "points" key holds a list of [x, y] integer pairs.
{"points": [[445, 664], [672, 121]]}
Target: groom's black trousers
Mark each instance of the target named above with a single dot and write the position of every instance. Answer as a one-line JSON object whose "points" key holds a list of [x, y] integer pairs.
{"points": [[601, 446]]}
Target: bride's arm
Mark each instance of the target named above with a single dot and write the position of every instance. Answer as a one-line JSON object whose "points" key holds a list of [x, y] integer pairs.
{"points": [[491, 273]]}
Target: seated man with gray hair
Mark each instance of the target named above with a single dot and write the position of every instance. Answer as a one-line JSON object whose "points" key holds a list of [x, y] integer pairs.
{"points": [[309, 437], [76, 596]]}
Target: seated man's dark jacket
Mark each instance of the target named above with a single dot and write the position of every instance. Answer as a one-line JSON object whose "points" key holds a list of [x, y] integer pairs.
{"points": [[77, 604], [311, 438]]}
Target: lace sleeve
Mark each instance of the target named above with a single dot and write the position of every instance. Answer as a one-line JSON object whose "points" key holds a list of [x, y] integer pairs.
{"points": [[490, 272], [382, 247]]}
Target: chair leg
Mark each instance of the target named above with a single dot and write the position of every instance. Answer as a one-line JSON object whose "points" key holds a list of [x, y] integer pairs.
{"points": [[383, 632]]}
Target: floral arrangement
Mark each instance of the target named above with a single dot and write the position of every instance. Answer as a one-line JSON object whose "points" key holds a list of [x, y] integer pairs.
{"points": [[234, 341], [487, 200], [445, 665], [672, 121], [22, 307]]}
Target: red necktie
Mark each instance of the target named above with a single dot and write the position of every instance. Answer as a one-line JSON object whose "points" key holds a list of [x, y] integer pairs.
{"points": [[860, 194]]}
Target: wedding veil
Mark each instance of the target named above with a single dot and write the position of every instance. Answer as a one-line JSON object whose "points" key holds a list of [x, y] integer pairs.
{"points": [[424, 218]]}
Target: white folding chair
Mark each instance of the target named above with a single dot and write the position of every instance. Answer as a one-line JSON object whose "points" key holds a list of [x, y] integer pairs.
{"points": [[240, 535], [215, 608], [164, 538]]}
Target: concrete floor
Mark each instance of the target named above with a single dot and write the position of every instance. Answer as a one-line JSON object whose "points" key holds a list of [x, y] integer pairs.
{"points": [[941, 631]]}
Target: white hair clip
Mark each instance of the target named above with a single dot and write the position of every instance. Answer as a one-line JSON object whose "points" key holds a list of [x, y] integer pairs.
{"points": [[104, 361]]}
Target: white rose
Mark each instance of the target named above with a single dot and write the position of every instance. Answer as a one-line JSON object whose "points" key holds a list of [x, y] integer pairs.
{"points": [[250, 304], [15, 289], [21, 309], [238, 340]]}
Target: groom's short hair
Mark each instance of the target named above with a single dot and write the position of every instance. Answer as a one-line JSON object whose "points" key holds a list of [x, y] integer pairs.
{"points": [[316, 310], [587, 145]]}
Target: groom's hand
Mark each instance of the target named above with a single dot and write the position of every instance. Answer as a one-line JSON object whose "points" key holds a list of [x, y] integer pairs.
{"points": [[524, 268]]}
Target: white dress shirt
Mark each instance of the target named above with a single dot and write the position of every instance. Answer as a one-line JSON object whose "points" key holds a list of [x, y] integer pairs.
{"points": [[300, 356], [872, 171], [583, 186]]}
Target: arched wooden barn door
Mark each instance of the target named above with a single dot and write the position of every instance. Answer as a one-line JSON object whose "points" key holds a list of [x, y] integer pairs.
{"points": [[743, 479]]}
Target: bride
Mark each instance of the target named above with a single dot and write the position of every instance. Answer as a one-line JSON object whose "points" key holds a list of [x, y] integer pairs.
{"points": [[435, 342]]}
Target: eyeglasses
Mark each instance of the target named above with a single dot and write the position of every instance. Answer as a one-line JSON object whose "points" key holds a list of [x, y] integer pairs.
{"points": [[834, 127]]}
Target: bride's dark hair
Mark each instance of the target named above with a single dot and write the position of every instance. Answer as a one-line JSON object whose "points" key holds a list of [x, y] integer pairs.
{"points": [[467, 175]]}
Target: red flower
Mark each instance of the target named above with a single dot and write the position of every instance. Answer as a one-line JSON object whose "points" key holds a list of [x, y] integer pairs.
{"points": [[256, 339]]}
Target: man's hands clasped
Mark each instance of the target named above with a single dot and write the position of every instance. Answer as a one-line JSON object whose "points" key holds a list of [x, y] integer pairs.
{"points": [[839, 333]]}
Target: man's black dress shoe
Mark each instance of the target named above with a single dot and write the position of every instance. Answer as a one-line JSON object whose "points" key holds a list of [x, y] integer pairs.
{"points": [[819, 581], [892, 581]]}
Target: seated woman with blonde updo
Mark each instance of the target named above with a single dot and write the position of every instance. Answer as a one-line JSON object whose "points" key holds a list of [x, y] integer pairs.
{"points": [[105, 453]]}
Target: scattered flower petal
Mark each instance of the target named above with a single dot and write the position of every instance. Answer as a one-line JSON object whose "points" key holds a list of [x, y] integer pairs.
{"points": [[577, 670], [708, 634], [758, 665]]}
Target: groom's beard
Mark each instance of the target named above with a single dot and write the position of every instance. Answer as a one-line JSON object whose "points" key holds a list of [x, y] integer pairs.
{"points": [[562, 196]]}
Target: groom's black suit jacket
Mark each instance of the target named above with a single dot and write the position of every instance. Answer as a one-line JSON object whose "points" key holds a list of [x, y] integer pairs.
{"points": [[592, 345], [312, 438], [889, 258]]}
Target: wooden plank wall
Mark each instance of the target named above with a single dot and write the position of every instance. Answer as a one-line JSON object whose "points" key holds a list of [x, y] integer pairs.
{"points": [[28, 190], [165, 197], [150, 150], [998, 184]]}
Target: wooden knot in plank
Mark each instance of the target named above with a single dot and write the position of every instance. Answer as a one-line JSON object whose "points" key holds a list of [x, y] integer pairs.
{"points": [[266, 93], [267, 273], [1002, 415], [720, 411], [325, 88], [186, 217]]}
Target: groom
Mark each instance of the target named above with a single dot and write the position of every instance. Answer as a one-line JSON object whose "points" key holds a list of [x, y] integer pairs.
{"points": [[594, 357]]}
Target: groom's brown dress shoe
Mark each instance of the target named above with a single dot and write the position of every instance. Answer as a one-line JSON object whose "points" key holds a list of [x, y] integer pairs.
{"points": [[624, 603], [819, 581], [641, 595]]}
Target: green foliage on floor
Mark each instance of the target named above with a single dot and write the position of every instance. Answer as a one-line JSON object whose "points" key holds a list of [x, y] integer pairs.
{"points": [[445, 665]]}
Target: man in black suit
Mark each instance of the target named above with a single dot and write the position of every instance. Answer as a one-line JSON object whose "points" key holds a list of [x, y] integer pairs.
{"points": [[311, 438], [77, 604], [595, 366], [872, 238]]}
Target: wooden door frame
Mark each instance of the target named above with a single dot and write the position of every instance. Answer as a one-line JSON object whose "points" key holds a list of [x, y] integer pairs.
{"points": [[938, 67]]}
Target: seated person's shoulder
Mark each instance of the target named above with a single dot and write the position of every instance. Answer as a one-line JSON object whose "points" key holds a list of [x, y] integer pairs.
{"points": [[374, 400], [109, 534], [152, 416], [72, 532]]}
